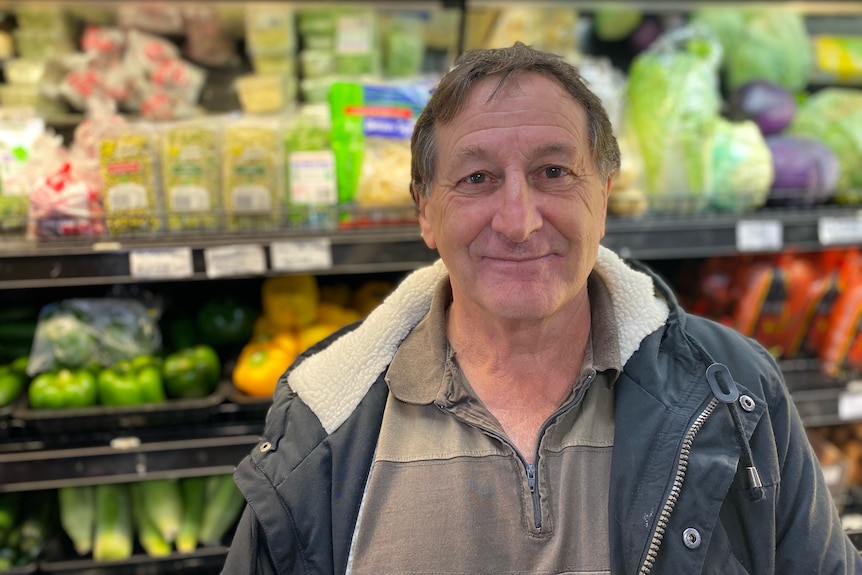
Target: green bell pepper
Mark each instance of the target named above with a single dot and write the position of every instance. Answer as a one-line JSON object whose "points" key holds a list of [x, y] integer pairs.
{"points": [[13, 378], [226, 322], [132, 382], [63, 388], [191, 372]]}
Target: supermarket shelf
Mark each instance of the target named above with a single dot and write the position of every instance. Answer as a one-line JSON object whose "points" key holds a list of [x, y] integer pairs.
{"points": [[125, 459], [399, 248], [831, 7]]}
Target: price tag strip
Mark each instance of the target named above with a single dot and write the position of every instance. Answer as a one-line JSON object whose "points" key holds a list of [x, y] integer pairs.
{"points": [[301, 255], [759, 236], [161, 263], [845, 230], [235, 260]]}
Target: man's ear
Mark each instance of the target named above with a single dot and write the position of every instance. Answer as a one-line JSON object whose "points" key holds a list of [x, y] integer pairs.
{"points": [[424, 222]]}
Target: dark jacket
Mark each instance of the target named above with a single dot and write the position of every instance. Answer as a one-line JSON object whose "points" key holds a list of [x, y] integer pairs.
{"points": [[702, 481]]}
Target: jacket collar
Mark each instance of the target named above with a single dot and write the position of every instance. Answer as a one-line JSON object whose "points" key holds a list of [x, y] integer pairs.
{"points": [[334, 381]]}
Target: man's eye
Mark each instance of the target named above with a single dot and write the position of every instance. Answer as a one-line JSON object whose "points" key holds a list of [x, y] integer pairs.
{"points": [[476, 178], [554, 172]]}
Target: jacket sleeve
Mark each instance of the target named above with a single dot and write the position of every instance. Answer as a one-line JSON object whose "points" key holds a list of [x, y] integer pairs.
{"points": [[248, 554], [809, 535]]}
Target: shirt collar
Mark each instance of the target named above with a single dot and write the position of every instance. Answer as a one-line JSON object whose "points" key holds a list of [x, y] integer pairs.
{"points": [[421, 365]]}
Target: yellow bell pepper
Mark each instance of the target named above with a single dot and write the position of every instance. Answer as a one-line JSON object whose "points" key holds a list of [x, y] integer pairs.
{"points": [[259, 366], [290, 302]]}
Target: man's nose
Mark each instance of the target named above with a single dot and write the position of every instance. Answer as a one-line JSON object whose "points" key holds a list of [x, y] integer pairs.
{"points": [[516, 215]]}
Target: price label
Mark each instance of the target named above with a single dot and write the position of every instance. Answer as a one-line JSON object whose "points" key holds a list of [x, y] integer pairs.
{"points": [[161, 263], [759, 236], [850, 406], [839, 230], [301, 255], [236, 260]]}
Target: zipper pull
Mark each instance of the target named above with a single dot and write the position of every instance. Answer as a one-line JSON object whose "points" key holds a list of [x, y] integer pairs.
{"points": [[531, 477], [716, 374]]}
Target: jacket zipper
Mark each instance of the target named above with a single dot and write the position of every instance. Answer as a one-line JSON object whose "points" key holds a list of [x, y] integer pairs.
{"points": [[670, 502]]}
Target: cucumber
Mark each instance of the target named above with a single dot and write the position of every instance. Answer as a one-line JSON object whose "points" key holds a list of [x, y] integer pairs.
{"points": [[113, 529], [149, 536], [78, 515], [224, 502], [163, 503], [194, 493]]}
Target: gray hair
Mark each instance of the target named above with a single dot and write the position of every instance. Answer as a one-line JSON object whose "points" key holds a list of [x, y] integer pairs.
{"points": [[505, 63]]}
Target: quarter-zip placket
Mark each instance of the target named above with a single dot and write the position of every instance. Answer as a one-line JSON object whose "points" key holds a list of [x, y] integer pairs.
{"points": [[531, 469], [676, 489]]}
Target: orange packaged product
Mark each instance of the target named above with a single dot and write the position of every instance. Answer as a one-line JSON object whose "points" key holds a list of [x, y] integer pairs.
{"points": [[808, 328], [773, 292], [842, 347]]}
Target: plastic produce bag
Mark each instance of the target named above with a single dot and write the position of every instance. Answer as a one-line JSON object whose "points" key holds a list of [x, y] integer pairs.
{"points": [[742, 167], [371, 128], [89, 332], [672, 102]]}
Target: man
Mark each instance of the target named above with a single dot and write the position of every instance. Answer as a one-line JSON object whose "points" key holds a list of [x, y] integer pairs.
{"points": [[531, 403]]}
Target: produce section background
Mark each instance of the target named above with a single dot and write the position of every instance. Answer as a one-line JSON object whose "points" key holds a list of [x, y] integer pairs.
{"points": [[240, 171]]}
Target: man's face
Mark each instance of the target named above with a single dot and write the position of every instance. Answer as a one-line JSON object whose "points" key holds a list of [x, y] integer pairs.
{"points": [[517, 208]]}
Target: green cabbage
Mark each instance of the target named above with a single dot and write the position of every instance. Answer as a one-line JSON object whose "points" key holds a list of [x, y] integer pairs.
{"points": [[742, 170], [672, 102], [834, 116], [765, 44]]}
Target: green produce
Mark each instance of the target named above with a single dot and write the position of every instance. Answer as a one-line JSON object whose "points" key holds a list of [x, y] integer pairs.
{"points": [[834, 117], [251, 175], [113, 538], [614, 23], [71, 339], [224, 503], [193, 490], [225, 321], [149, 535], [131, 204], [761, 44], [10, 509], [163, 504], [132, 382], [742, 169], [13, 378], [35, 527], [190, 176], [77, 506], [191, 372], [63, 388], [671, 106]]}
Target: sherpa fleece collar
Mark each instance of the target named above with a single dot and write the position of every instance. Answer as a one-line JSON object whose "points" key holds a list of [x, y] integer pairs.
{"points": [[334, 381]]}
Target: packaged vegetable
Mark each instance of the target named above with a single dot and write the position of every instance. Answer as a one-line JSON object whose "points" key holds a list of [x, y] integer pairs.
{"points": [[269, 29], [766, 103], [761, 44], [129, 187], [742, 168], [357, 43], [310, 169], [371, 129], [85, 331], [672, 103], [18, 134], [251, 180], [190, 175], [404, 45]]}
